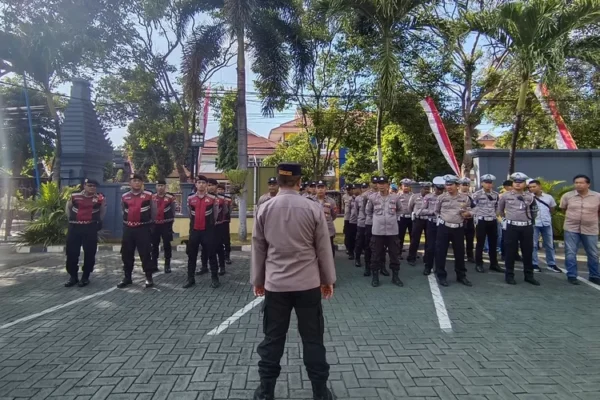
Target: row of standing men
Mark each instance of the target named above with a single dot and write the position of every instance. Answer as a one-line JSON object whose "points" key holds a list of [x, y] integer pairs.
{"points": [[147, 220]]}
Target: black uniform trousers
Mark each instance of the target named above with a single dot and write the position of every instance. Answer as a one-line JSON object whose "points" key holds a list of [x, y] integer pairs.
{"points": [[206, 239], [419, 227], [351, 238], [378, 246], [218, 247], [430, 242], [86, 236], [404, 225], [469, 236], [164, 232], [446, 235], [277, 310], [360, 244], [140, 238], [345, 232], [513, 237], [368, 251], [487, 229], [332, 245], [227, 237]]}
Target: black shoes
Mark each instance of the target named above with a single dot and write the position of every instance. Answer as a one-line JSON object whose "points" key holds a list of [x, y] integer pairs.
{"points": [[265, 391], [189, 284], [227, 259], [496, 268], [321, 391], [464, 281], [167, 265], [367, 271], [511, 281], [426, 271], [214, 282], [85, 280], [471, 259], [442, 282], [532, 280], [573, 281], [71, 282], [124, 283], [479, 268], [222, 271], [149, 283], [412, 263], [375, 279], [357, 263], [384, 271], [351, 257], [396, 279], [203, 270], [595, 280]]}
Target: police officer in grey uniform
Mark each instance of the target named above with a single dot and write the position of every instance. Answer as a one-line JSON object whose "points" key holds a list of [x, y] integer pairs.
{"points": [[428, 210], [452, 209], [465, 188], [384, 208], [329, 209], [405, 216], [360, 207], [273, 188], [346, 199], [292, 266], [419, 225], [369, 228], [484, 213], [352, 209], [517, 209]]}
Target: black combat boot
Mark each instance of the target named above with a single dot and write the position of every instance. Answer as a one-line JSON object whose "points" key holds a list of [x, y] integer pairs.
{"points": [[265, 390], [426, 271], [384, 271], [149, 281], [367, 271], [357, 262], [227, 259], [321, 391], [155, 266], [85, 280], [203, 270], [497, 268], [375, 279], [72, 281], [125, 282], [214, 281], [189, 283], [167, 265], [222, 270], [396, 279]]}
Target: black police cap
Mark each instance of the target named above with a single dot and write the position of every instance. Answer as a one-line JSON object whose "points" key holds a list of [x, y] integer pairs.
{"points": [[90, 182], [161, 182], [137, 176], [201, 178], [289, 169], [383, 179], [212, 181], [321, 183], [374, 179], [364, 186], [272, 180]]}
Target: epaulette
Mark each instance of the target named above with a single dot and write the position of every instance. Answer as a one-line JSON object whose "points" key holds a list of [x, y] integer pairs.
{"points": [[192, 194], [211, 196], [126, 193], [147, 192], [168, 194]]}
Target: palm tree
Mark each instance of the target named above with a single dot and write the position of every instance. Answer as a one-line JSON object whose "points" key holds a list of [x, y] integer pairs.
{"points": [[537, 35], [384, 21], [271, 30]]}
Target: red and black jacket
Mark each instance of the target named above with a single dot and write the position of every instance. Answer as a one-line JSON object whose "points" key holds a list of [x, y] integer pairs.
{"points": [[223, 207], [84, 209], [228, 203], [203, 211], [137, 208], [165, 208]]}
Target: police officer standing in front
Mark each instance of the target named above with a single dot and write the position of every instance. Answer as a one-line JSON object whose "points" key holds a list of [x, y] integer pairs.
{"points": [[292, 266], [226, 223], [485, 211], [204, 209], [361, 219], [384, 208], [419, 225], [352, 210], [273, 188], [517, 209], [452, 209], [428, 210], [329, 209], [139, 213], [465, 188], [163, 224], [86, 211]]}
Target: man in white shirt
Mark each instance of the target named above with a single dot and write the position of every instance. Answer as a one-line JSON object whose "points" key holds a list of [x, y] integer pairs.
{"points": [[543, 226]]}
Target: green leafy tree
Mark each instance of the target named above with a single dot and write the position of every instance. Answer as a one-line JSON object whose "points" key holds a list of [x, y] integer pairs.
{"points": [[296, 149], [227, 142], [538, 36]]}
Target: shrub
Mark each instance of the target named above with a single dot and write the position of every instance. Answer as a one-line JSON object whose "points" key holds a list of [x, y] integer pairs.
{"points": [[49, 227]]}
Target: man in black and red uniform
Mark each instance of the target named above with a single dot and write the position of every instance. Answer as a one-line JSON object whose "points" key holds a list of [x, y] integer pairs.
{"points": [[139, 213], [163, 224], [204, 209], [218, 242], [227, 223], [86, 210]]}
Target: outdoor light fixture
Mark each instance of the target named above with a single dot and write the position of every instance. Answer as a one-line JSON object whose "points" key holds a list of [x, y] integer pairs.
{"points": [[197, 139]]}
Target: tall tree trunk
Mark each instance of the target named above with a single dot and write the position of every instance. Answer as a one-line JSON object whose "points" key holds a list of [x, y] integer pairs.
{"points": [[378, 139], [242, 128], [58, 150], [467, 162], [518, 122]]}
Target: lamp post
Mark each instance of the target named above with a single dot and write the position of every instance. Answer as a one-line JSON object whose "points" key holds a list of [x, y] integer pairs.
{"points": [[197, 143]]}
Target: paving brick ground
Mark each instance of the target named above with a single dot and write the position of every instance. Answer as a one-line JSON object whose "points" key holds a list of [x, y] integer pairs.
{"points": [[507, 342]]}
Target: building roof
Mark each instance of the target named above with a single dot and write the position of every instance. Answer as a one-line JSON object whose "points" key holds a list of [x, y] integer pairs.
{"points": [[257, 145], [487, 136]]}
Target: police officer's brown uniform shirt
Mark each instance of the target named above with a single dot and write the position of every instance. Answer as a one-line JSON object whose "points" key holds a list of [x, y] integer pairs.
{"points": [[385, 211], [330, 210], [404, 205], [486, 204], [514, 209], [351, 210], [449, 208], [263, 199], [291, 249], [415, 203], [346, 199], [368, 218], [428, 206]]}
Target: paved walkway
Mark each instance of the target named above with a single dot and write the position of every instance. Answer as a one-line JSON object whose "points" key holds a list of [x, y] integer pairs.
{"points": [[491, 341]]}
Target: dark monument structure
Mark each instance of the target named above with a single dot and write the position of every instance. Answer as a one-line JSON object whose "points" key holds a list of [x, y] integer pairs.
{"points": [[85, 149], [553, 165]]}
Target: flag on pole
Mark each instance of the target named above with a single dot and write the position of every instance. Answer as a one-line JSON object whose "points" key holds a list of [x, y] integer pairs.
{"points": [[204, 119], [439, 131], [564, 140]]}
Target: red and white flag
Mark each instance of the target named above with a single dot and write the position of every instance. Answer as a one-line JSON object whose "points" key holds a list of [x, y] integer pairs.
{"points": [[439, 131], [564, 140]]}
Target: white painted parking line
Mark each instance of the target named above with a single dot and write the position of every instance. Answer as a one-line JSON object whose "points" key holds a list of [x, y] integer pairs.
{"points": [[239, 314], [440, 306], [590, 284]]}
